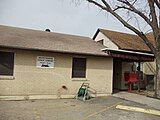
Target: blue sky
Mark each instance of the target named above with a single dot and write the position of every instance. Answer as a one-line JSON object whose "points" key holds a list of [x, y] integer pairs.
{"points": [[62, 16]]}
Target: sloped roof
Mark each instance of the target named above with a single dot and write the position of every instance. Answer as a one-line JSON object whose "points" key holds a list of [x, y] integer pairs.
{"points": [[127, 41], [13, 37]]}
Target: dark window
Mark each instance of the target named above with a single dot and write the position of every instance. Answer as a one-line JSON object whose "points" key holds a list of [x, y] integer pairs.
{"points": [[79, 68], [101, 41], [6, 63]]}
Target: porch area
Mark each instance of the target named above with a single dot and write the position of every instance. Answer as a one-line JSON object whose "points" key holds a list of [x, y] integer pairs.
{"points": [[128, 73]]}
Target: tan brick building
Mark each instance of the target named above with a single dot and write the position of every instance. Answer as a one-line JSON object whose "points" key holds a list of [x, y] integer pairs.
{"points": [[37, 64]]}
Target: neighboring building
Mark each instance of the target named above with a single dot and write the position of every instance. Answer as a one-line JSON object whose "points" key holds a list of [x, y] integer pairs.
{"points": [[39, 64], [118, 45]]}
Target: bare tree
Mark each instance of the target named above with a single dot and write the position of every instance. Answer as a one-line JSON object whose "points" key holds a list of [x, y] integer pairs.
{"points": [[148, 13]]}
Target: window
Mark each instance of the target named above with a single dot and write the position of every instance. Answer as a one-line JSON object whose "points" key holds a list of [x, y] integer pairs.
{"points": [[79, 68], [6, 63], [101, 41]]}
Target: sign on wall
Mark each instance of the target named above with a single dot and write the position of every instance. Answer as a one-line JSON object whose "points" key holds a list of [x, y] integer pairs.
{"points": [[45, 62]]}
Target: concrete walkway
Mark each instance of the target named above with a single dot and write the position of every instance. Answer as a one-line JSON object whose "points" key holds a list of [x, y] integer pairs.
{"points": [[151, 102]]}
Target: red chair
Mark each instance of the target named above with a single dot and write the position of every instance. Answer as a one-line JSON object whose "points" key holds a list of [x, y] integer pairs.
{"points": [[131, 78]]}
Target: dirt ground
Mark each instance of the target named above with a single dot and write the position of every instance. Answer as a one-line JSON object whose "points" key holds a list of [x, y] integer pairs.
{"points": [[100, 108]]}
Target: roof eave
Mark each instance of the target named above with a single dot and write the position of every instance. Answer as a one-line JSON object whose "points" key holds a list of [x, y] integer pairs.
{"points": [[128, 51], [56, 51]]}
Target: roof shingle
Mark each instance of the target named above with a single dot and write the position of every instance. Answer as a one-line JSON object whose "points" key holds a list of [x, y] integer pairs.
{"points": [[128, 41], [13, 37]]}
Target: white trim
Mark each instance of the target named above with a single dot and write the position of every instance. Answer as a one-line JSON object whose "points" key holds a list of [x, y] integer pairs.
{"points": [[79, 79], [127, 51], [3, 77]]}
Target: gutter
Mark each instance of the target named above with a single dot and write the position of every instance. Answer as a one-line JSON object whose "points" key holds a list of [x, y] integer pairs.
{"points": [[55, 51], [127, 51]]}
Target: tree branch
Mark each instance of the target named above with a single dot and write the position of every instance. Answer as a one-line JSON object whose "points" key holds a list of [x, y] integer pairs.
{"points": [[153, 23], [133, 9], [140, 34], [97, 4], [157, 3], [122, 7]]}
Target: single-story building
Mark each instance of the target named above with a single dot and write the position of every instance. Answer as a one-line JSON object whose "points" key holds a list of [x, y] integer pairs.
{"points": [[41, 64], [127, 51], [38, 64]]}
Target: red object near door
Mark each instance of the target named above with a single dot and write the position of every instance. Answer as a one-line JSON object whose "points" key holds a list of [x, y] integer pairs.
{"points": [[133, 78], [130, 78]]}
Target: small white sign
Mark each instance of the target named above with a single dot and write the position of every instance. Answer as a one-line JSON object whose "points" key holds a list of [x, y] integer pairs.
{"points": [[45, 62]]}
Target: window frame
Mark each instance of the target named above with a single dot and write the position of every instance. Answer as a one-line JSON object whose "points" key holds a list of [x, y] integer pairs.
{"points": [[73, 68]]}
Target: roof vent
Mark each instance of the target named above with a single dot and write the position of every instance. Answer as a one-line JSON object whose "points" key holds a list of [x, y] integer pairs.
{"points": [[48, 30]]}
